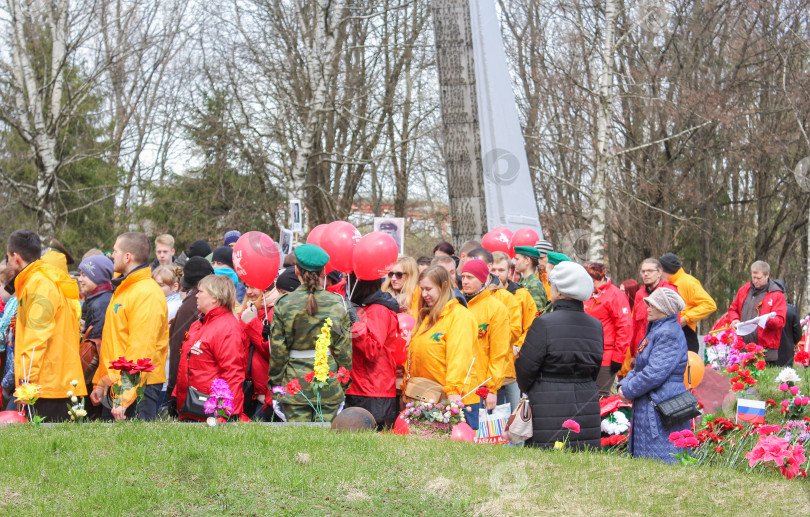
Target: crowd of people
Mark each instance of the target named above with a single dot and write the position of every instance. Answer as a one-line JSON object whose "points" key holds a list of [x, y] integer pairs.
{"points": [[487, 329]]}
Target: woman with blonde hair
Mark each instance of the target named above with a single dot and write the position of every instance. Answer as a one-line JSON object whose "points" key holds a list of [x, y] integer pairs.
{"points": [[403, 284], [441, 347]]}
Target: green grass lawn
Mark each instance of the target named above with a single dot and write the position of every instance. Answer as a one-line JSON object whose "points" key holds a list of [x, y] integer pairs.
{"points": [[252, 469]]}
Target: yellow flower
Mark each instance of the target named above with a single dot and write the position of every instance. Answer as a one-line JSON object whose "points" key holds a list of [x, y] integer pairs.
{"points": [[81, 412], [321, 367], [559, 446], [28, 393]]}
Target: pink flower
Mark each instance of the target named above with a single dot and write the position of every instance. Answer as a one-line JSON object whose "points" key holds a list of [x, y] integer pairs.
{"points": [[794, 462], [784, 386], [794, 390], [785, 403], [571, 425], [768, 429], [770, 448]]}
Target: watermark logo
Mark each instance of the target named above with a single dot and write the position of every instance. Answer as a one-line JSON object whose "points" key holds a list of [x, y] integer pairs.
{"points": [[501, 166], [576, 244], [653, 16]]}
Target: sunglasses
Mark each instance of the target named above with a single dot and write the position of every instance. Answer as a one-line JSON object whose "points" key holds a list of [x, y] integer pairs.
{"points": [[396, 274]]}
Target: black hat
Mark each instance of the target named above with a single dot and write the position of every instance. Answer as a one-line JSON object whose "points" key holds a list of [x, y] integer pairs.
{"points": [[199, 249], [195, 270], [334, 276], [57, 246], [288, 280], [670, 263], [223, 254]]}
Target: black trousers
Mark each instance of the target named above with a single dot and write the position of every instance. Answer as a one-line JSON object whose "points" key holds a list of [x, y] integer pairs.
{"points": [[383, 409], [53, 410], [692, 343]]}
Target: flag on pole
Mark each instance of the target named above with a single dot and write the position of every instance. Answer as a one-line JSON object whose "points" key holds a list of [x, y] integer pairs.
{"points": [[751, 411]]}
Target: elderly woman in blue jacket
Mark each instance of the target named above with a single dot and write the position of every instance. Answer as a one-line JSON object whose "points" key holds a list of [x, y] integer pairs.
{"points": [[657, 376]]}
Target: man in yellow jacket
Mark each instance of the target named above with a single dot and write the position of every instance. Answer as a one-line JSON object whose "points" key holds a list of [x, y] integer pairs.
{"points": [[47, 332], [699, 304], [135, 327], [493, 345]]}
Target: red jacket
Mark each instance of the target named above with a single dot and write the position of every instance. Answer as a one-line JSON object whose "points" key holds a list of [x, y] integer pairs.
{"points": [[640, 315], [610, 306], [223, 346], [774, 301], [261, 350], [374, 339]]}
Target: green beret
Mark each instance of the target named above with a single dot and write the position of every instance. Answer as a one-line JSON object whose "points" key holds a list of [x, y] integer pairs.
{"points": [[555, 258], [311, 257], [529, 251]]}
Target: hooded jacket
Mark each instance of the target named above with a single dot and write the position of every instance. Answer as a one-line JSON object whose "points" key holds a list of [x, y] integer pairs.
{"points": [[47, 331], [375, 337], [444, 352], [774, 301], [135, 325], [610, 306], [699, 304], [222, 347], [493, 341]]}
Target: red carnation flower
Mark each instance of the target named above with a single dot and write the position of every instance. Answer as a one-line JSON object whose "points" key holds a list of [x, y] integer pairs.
{"points": [[718, 449], [122, 364], [733, 368], [482, 392], [760, 364], [144, 365], [751, 347], [571, 425], [293, 387], [750, 380], [745, 373], [737, 386], [343, 375], [309, 377]]}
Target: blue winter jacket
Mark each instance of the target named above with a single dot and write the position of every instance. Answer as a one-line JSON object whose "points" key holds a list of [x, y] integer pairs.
{"points": [[657, 376]]}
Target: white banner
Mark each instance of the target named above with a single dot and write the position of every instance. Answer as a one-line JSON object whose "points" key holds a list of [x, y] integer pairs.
{"points": [[508, 190]]}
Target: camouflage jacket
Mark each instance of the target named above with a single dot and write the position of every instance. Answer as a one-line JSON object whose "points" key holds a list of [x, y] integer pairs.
{"points": [[536, 289], [294, 329]]}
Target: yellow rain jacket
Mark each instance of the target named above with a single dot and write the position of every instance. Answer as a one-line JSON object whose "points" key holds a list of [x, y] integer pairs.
{"points": [[494, 344], [528, 311], [515, 313], [136, 326], [414, 308], [699, 304], [47, 335], [444, 352]]}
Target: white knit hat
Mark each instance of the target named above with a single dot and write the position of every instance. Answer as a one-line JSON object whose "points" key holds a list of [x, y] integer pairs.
{"points": [[666, 300], [571, 280]]}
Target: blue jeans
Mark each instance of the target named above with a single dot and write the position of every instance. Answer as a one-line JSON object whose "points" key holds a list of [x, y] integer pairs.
{"points": [[509, 393], [472, 414]]}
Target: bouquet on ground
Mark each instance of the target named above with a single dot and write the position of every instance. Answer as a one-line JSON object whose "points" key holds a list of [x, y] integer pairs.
{"points": [[750, 367], [795, 403], [433, 418], [131, 385], [220, 401], [615, 424]]}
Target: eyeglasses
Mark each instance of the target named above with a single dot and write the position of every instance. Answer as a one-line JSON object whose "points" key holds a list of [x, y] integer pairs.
{"points": [[648, 271], [396, 274]]}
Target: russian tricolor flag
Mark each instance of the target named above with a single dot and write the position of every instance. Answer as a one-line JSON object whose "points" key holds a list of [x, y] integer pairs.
{"points": [[751, 411]]}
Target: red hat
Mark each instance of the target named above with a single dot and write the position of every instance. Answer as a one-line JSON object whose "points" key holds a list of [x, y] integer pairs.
{"points": [[477, 268]]}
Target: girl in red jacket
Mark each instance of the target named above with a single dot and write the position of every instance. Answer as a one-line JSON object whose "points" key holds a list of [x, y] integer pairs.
{"points": [[375, 336], [256, 319]]}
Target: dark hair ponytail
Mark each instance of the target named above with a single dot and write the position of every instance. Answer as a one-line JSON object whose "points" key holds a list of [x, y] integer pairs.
{"points": [[311, 280]]}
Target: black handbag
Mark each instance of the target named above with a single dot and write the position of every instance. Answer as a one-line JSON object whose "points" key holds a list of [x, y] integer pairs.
{"points": [[248, 389], [680, 408], [195, 399]]}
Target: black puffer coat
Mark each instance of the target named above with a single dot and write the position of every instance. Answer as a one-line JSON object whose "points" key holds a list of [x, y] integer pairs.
{"points": [[557, 367]]}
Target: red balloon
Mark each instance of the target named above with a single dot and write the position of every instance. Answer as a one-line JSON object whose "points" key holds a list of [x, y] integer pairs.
{"points": [[314, 236], [462, 432], [525, 237], [256, 259], [374, 256], [406, 324], [11, 417], [339, 240], [497, 241], [504, 230], [401, 426]]}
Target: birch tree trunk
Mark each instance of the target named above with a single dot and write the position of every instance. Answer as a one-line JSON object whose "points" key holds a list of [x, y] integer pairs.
{"points": [[604, 114]]}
